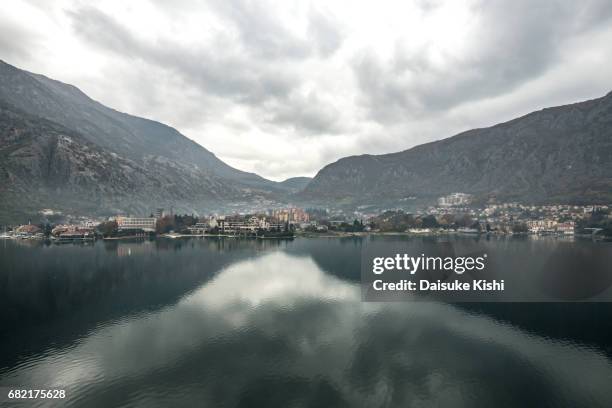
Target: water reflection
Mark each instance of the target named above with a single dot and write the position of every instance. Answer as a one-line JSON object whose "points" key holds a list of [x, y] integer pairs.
{"points": [[53, 294], [274, 328]]}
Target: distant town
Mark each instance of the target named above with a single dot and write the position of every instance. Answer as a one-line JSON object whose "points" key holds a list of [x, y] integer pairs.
{"points": [[452, 214]]}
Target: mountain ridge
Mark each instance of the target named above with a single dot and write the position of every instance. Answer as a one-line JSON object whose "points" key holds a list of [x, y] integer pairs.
{"points": [[123, 133], [296, 184], [162, 167], [477, 161], [45, 165], [556, 154]]}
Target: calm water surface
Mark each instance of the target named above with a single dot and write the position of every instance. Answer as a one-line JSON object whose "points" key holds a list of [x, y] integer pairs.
{"points": [[234, 323]]}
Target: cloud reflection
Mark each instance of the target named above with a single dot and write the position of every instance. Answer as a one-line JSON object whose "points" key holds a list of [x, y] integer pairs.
{"points": [[278, 331]]}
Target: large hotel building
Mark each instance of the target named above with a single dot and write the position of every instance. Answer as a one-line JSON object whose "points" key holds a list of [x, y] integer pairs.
{"points": [[145, 224]]}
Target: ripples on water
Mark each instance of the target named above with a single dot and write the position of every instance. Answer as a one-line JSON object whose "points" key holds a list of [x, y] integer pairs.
{"points": [[212, 323]]}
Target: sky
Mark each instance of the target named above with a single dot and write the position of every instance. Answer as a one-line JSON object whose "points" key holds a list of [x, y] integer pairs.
{"points": [[282, 88]]}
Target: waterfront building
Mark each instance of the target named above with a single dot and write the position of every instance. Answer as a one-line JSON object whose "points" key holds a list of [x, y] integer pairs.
{"points": [[236, 225], [26, 230], [248, 226], [566, 228], [76, 234], [292, 215], [200, 228], [544, 225], [145, 224], [72, 229]]}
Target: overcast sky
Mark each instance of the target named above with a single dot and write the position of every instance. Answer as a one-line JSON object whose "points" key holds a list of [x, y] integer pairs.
{"points": [[283, 88]]}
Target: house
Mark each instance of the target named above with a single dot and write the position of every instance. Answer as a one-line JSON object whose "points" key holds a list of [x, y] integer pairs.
{"points": [[28, 229], [566, 228]]}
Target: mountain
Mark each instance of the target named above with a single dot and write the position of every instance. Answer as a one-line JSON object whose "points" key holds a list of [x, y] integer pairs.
{"points": [[295, 184], [146, 163], [46, 165], [560, 154], [128, 135], [60, 149]]}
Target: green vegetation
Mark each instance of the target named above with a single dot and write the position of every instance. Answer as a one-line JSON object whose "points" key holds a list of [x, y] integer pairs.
{"points": [[399, 221], [520, 228], [355, 226], [108, 229], [176, 223], [597, 219]]}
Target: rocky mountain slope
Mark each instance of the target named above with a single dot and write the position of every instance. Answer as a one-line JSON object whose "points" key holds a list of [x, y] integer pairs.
{"points": [[45, 165], [62, 150], [560, 154], [131, 136], [295, 184]]}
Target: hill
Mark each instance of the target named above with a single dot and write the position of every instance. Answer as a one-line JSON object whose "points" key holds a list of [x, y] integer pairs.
{"points": [[65, 151], [560, 154]]}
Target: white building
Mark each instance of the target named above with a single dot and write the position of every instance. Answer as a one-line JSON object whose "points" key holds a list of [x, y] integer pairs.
{"points": [[199, 228], [566, 228], [145, 224], [454, 199], [541, 225], [235, 225]]}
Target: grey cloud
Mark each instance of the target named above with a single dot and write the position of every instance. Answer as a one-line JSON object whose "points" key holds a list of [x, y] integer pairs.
{"points": [[514, 43], [216, 71], [100, 29], [16, 42], [222, 69], [325, 33], [309, 113], [263, 35], [259, 71]]}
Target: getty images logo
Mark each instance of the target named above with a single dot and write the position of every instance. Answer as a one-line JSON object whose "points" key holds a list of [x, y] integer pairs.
{"points": [[413, 264]]}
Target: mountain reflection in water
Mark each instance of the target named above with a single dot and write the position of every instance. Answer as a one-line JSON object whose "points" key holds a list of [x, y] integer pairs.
{"points": [[242, 323]]}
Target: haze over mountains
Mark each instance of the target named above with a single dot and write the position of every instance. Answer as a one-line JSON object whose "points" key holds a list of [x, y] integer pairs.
{"points": [[60, 149]]}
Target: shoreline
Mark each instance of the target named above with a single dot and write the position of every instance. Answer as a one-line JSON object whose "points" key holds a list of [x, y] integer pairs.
{"points": [[432, 234], [178, 236], [324, 235]]}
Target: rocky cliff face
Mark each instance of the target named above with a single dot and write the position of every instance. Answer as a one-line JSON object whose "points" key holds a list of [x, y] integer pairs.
{"points": [[45, 165], [561, 154], [127, 135], [60, 149]]}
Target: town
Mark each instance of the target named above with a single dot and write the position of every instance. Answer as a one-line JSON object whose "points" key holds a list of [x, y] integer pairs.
{"points": [[454, 213]]}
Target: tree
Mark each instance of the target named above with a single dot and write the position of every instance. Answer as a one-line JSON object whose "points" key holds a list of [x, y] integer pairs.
{"points": [[165, 224], [395, 221], [357, 225], [446, 220], [464, 221], [429, 221], [46, 228], [520, 228], [607, 230], [108, 228]]}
